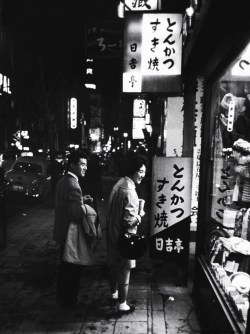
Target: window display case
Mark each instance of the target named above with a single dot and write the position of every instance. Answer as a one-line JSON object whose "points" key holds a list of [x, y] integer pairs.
{"points": [[223, 257]]}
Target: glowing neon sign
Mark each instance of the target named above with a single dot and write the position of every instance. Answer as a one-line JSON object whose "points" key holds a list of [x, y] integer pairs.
{"points": [[73, 113]]}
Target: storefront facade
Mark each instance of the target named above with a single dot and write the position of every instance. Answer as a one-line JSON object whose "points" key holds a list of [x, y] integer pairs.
{"points": [[222, 267]]}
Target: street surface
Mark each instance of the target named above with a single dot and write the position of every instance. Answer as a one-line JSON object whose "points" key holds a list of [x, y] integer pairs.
{"points": [[18, 204], [28, 271]]}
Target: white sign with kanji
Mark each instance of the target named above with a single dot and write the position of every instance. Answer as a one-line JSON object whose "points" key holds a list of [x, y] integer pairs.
{"points": [[152, 51], [145, 5], [171, 191]]}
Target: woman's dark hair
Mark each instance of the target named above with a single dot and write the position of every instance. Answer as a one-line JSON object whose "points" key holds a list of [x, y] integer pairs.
{"points": [[135, 162], [75, 156]]}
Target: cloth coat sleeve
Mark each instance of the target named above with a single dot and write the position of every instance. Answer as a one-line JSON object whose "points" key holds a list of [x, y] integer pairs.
{"points": [[131, 217], [76, 209]]}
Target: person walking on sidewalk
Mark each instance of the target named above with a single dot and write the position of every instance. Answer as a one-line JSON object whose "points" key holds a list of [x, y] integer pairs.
{"points": [[122, 215], [69, 208]]}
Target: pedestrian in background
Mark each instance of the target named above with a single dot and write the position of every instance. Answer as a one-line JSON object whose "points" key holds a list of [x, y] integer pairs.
{"points": [[123, 215], [69, 208]]}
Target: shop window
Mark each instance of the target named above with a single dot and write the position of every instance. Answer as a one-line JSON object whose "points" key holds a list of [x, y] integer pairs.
{"points": [[228, 243]]}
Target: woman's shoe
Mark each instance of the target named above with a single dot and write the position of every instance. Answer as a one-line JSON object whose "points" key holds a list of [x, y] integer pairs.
{"points": [[124, 308]]}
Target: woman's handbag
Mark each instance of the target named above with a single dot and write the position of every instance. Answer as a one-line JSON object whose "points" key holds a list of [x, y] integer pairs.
{"points": [[131, 246]]}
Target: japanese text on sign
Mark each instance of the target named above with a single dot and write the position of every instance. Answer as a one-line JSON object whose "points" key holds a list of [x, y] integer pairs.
{"points": [[176, 189], [140, 5], [171, 190], [171, 204], [160, 44], [153, 46], [169, 245]]}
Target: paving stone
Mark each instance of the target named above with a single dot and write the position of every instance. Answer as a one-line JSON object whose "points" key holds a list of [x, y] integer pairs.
{"points": [[31, 327], [129, 327], [135, 316], [157, 303], [179, 326], [139, 303], [158, 322], [66, 328], [177, 309], [98, 327], [137, 293]]}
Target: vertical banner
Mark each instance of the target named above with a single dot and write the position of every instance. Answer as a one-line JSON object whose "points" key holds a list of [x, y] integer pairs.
{"points": [[198, 112], [171, 207], [152, 59], [139, 114], [197, 148]]}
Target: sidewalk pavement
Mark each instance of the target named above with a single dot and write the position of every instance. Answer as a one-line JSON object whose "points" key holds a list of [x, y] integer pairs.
{"points": [[28, 269]]}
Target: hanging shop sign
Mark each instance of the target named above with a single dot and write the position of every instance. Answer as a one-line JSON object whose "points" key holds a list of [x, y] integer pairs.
{"points": [[138, 126], [145, 5], [152, 53], [89, 74], [139, 113], [139, 108], [73, 113], [171, 207], [4, 84], [103, 39]]}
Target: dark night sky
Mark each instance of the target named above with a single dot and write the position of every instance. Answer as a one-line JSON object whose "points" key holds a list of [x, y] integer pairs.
{"points": [[59, 26]]}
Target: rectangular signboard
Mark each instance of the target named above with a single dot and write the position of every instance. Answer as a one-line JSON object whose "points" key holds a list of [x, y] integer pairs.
{"points": [[145, 5], [103, 39], [171, 206], [152, 59]]}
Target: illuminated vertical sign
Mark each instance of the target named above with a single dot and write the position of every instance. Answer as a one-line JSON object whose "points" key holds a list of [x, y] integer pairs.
{"points": [[139, 113], [89, 81], [139, 108], [73, 113], [4, 84], [152, 53], [171, 206]]}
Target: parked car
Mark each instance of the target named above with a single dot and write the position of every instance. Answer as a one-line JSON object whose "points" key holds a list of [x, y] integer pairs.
{"points": [[7, 159], [30, 176]]}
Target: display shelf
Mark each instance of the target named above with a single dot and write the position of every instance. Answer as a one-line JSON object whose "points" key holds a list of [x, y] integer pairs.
{"points": [[220, 316]]}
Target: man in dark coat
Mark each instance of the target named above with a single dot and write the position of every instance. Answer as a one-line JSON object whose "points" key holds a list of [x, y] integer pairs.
{"points": [[69, 208]]}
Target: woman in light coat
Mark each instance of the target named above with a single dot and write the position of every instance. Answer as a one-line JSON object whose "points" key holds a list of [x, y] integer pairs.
{"points": [[123, 215]]}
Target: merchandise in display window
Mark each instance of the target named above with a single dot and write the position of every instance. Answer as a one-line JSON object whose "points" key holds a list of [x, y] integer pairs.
{"points": [[228, 244]]}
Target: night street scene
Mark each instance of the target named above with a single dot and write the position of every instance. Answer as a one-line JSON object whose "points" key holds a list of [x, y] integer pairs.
{"points": [[124, 169]]}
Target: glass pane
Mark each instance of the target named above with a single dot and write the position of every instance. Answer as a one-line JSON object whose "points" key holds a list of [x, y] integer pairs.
{"points": [[228, 245]]}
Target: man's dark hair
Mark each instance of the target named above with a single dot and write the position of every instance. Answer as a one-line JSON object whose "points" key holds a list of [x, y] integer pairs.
{"points": [[135, 162], [75, 156]]}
